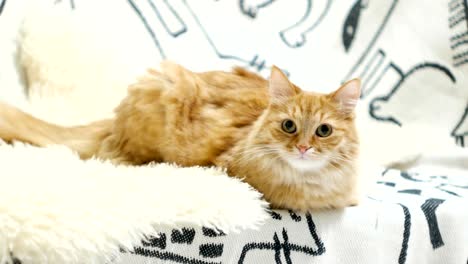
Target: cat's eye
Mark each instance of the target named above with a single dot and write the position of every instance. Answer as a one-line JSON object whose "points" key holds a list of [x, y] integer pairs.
{"points": [[288, 126], [324, 130]]}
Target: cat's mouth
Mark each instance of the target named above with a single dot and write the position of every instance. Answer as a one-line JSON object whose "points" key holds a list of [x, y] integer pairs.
{"points": [[304, 162]]}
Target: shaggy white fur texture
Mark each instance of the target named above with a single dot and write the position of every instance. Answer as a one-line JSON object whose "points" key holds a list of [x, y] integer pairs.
{"points": [[56, 208]]}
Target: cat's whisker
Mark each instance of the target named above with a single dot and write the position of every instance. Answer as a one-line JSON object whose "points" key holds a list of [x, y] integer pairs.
{"points": [[338, 158], [249, 154], [337, 170]]}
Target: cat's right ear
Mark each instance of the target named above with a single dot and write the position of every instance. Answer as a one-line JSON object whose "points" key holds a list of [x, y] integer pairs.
{"points": [[280, 88], [348, 95]]}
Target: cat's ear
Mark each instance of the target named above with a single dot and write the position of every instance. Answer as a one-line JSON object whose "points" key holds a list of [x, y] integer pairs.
{"points": [[348, 95], [280, 88]]}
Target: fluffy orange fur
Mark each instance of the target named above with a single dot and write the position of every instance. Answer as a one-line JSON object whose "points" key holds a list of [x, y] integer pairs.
{"points": [[235, 120]]}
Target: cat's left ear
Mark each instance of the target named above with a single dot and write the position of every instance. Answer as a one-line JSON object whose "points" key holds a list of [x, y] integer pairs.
{"points": [[348, 95], [280, 88]]}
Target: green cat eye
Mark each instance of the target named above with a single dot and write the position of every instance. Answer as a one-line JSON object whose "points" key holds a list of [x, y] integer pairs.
{"points": [[324, 130], [288, 126]]}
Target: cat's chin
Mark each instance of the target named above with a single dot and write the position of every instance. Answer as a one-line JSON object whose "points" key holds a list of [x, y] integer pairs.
{"points": [[306, 164]]}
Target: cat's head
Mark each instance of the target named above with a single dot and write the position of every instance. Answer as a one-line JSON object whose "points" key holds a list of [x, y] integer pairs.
{"points": [[308, 130]]}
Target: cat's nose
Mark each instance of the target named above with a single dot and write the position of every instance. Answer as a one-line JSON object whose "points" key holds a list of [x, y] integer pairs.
{"points": [[302, 148]]}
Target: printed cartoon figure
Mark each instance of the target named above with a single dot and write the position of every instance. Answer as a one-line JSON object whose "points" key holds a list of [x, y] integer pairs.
{"points": [[458, 24], [392, 106], [373, 65], [251, 7], [296, 35], [351, 23], [2, 5], [420, 193], [371, 61], [282, 248], [181, 246], [396, 185], [403, 90], [413, 99], [173, 24], [460, 132], [184, 245]]}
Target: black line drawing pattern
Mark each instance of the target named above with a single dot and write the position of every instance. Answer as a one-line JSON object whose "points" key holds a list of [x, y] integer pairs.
{"points": [[157, 247], [147, 252], [281, 245], [393, 106], [173, 28], [370, 46], [376, 103], [175, 25], [211, 250], [428, 187], [183, 236], [429, 207], [411, 191], [461, 129], [439, 183], [251, 8], [286, 247], [458, 24], [398, 87], [71, 2], [351, 23], [406, 235], [429, 210], [2, 5], [148, 27], [158, 242], [295, 36], [416, 215]]}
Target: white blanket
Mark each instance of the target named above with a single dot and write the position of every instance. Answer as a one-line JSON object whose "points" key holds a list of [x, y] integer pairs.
{"points": [[78, 56], [416, 216]]}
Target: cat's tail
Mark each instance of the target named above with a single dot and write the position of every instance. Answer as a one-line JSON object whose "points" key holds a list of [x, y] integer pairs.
{"points": [[16, 125]]}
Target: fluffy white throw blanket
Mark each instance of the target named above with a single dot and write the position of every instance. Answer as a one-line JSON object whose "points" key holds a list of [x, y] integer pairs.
{"points": [[55, 208]]}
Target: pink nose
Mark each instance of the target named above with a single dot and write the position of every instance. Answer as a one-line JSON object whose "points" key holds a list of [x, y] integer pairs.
{"points": [[302, 148]]}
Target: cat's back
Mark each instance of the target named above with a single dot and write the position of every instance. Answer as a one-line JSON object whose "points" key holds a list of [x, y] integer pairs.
{"points": [[238, 85], [197, 116]]}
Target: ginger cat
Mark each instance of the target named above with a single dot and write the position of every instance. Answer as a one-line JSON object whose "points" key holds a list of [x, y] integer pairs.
{"points": [[298, 148]]}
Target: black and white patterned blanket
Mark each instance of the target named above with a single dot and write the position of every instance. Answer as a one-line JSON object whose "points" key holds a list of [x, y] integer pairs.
{"points": [[413, 59], [417, 216]]}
